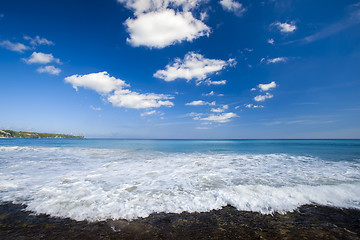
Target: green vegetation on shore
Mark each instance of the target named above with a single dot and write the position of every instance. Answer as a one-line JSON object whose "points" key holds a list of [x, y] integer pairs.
{"points": [[14, 134]]}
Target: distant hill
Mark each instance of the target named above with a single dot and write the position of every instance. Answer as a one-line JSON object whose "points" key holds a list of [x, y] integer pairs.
{"points": [[14, 134]]}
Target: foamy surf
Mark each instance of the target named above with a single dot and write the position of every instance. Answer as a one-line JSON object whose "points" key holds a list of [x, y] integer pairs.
{"points": [[99, 184]]}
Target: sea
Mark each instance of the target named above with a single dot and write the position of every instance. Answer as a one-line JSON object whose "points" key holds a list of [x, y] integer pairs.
{"points": [[101, 179]]}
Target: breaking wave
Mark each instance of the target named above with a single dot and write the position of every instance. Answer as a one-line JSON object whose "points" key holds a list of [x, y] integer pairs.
{"points": [[99, 184]]}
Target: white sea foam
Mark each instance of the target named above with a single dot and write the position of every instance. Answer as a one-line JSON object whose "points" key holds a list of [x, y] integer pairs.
{"points": [[99, 184]]}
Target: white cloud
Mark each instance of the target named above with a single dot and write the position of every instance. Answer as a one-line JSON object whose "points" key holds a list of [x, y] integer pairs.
{"points": [[144, 6], [49, 69], [233, 6], [148, 113], [220, 109], [209, 82], [163, 28], [101, 82], [253, 106], [38, 41], [267, 87], [95, 108], [200, 103], [204, 16], [140, 6], [253, 89], [212, 94], [202, 128], [112, 89], [194, 115], [261, 98], [193, 66], [41, 58], [16, 47], [220, 118], [160, 23], [285, 27], [277, 60], [209, 94], [128, 99], [271, 41]]}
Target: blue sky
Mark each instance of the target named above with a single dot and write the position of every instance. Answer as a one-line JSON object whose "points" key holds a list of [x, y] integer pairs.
{"points": [[181, 68]]}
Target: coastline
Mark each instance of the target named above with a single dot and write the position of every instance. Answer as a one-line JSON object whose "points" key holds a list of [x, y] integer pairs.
{"points": [[308, 222], [10, 134]]}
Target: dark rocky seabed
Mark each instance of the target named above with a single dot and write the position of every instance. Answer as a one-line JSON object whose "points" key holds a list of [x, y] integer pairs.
{"points": [[308, 222]]}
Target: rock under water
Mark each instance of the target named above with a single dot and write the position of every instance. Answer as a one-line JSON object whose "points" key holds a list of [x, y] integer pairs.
{"points": [[308, 222]]}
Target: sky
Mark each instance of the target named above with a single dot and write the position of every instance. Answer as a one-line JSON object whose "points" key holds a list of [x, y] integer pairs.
{"points": [[203, 69]]}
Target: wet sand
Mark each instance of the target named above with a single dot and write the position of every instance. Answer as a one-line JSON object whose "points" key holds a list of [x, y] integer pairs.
{"points": [[308, 222]]}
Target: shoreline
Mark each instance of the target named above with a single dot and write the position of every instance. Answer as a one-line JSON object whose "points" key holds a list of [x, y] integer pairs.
{"points": [[308, 222], [9, 134]]}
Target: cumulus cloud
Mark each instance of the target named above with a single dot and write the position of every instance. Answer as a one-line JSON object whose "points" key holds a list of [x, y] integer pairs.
{"points": [[193, 66], [220, 118], [112, 89], [200, 103], [162, 28], [41, 58], [49, 69], [267, 87], [38, 41], [160, 23], [253, 106], [220, 109], [143, 6], [101, 82], [15, 47], [128, 99], [277, 60], [271, 41], [233, 6], [285, 27], [261, 98]]}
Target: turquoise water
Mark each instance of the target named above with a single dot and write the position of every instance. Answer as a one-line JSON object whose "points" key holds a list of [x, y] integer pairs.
{"points": [[98, 179], [332, 150]]}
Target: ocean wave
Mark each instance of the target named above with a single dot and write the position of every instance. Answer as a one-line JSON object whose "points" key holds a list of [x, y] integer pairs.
{"points": [[98, 184]]}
